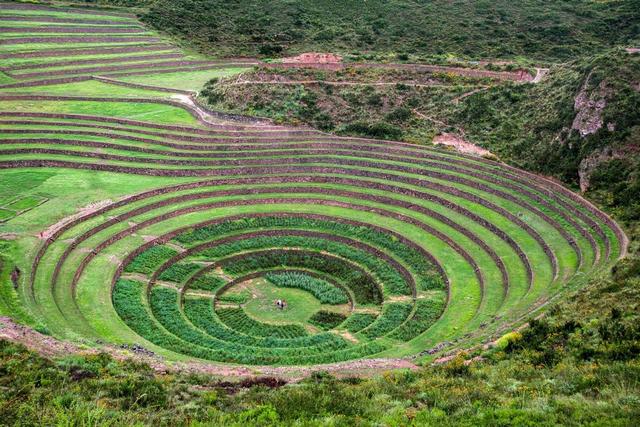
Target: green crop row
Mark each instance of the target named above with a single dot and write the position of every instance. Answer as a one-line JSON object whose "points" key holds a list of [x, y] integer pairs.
{"points": [[326, 320], [127, 300], [237, 319], [207, 282], [200, 312], [365, 290], [358, 321], [164, 305], [324, 291], [393, 315], [394, 282], [148, 261], [179, 272], [427, 276], [233, 298], [426, 314]]}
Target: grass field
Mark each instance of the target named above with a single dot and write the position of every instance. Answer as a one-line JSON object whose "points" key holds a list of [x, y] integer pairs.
{"points": [[141, 217]]}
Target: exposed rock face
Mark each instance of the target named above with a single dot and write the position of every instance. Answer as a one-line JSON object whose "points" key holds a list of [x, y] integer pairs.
{"points": [[461, 145], [313, 58], [589, 164], [589, 107]]}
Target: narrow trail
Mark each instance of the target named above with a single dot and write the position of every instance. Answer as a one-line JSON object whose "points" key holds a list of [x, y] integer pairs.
{"points": [[540, 74], [457, 100]]}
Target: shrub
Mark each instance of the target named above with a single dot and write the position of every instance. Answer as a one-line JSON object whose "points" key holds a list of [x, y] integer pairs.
{"points": [[378, 130]]}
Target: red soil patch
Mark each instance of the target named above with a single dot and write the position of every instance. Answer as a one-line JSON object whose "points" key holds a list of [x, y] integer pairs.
{"points": [[313, 58], [460, 144]]}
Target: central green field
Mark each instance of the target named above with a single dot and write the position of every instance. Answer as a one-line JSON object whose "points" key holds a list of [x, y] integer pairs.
{"points": [[261, 303]]}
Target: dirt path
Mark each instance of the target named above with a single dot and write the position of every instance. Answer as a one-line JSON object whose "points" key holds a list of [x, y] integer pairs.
{"points": [[540, 74], [44, 235]]}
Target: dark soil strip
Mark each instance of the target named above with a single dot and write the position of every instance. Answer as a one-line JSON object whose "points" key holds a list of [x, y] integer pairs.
{"points": [[46, 82], [131, 199], [550, 194], [237, 257], [592, 224], [379, 211], [221, 146], [194, 113], [549, 186], [48, 53], [74, 30], [98, 61], [78, 39], [189, 197], [97, 213], [347, 162], [395, 190], [309, 170], [418, 154], [450, 167], [318, 217], [212, 205]]}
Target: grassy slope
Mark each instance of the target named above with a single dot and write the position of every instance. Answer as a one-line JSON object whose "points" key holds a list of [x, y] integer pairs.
{"points": [[559, 372], [578, 367], [532, 28], [528, 125]]}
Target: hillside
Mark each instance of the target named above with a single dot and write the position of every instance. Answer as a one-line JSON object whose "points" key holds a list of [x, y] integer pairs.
{"points": [[581, 120], [434, 219], [577, 367], [534, 29]]}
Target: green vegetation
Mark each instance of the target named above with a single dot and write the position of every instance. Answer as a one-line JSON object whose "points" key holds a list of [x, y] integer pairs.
{"points": [[532, 124], [149, 260], [531, 28], [237, 319], [392, 104], [393, 315], [327, 319], [133, 219], [514, 385], [359, 321], [324, 291]]}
